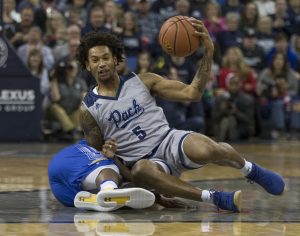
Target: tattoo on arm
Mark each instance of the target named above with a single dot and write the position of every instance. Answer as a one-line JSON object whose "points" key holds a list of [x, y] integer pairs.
{"points": [[203, 73], [91, 129]]}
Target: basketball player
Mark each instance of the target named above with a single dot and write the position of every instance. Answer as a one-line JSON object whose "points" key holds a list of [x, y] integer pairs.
{"points": [[78, 171], [124, 109]]}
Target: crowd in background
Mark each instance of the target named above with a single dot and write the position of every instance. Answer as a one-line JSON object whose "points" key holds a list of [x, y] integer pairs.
{"points": [[254, 91]]}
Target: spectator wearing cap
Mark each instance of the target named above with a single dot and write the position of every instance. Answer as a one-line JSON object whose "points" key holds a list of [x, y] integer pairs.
{"points": [[254, 55]]}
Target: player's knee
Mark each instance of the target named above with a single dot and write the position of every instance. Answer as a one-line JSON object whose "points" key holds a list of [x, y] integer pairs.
{"points": [[139, 169], [225, 145]]}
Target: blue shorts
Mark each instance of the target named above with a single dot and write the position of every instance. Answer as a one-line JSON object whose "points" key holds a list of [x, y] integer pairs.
{"points": [[68, 169]]}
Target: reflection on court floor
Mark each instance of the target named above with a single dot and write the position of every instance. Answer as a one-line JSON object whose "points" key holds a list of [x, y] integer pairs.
{"points": [[27, 207]]}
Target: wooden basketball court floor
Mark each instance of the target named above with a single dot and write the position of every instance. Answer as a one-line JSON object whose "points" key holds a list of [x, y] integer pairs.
{"points": [[27, 207]]}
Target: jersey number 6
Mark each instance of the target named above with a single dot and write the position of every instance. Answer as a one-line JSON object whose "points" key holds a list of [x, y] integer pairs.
{"points": [[139, 132]]}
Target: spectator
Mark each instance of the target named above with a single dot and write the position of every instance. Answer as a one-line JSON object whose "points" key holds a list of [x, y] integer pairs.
{"points": [[232, 6], [9, 19], [254, 56], [62, 50], [122, 69], [233, 62], [295, 44], [232, 36], [37, 69], [9, 11], [185, 68], [35, 41], [164, 8], [269, 90], [96, 21], [182, 115], [249, 17], [22, 28], [294, 15], [131, 39], [265, 35], [79, 6], [265, 7], [67, 91], [282, 45], [182, 7], [213, 20], [144, 63], [56, 21], [281, 20], [197, 8], [149, 24], [233, 113], [113, 15]]}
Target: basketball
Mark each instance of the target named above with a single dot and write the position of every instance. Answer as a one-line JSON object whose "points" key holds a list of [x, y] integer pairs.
{"points": [[176, 37]]}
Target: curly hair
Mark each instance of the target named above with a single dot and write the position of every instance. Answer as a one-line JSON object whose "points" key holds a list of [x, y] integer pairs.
{"points": [[96, 38]]}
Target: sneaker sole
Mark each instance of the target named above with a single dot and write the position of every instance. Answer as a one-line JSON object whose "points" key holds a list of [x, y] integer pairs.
{"points": [[237, 199], [88, 201], [136, 198]]}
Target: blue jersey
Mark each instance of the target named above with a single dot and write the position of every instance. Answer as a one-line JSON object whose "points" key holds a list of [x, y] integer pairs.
{"points": [[69, 167]]}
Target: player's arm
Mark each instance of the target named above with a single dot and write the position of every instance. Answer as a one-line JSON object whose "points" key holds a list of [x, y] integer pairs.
{"points": [[109, 149], [178, 91], [90, 128]]}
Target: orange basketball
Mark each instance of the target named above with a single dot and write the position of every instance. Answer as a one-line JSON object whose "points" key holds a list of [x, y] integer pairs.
{"points": [[177, 38]]}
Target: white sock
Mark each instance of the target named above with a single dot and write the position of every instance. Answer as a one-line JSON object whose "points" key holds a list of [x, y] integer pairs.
{"points": [[206, 196], [247, 168], [108, 185]]}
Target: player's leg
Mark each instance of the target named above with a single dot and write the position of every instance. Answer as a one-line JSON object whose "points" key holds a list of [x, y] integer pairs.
{"points": [[109, 197], [151, 175], [202, 150]]}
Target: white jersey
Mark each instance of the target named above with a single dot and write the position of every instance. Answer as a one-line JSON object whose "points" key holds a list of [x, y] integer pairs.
{"points": [[132, 118]]}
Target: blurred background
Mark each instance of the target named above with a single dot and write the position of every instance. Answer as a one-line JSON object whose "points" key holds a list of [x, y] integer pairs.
{"points": [[253, 94]]}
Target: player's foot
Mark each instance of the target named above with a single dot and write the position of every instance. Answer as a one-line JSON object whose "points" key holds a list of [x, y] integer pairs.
{"points": [[131, 197], [272, 182], [88, 201], [227, 201]]}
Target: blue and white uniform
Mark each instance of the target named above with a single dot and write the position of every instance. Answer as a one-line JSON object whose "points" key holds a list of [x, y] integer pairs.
{"points": [[74, 169]]}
